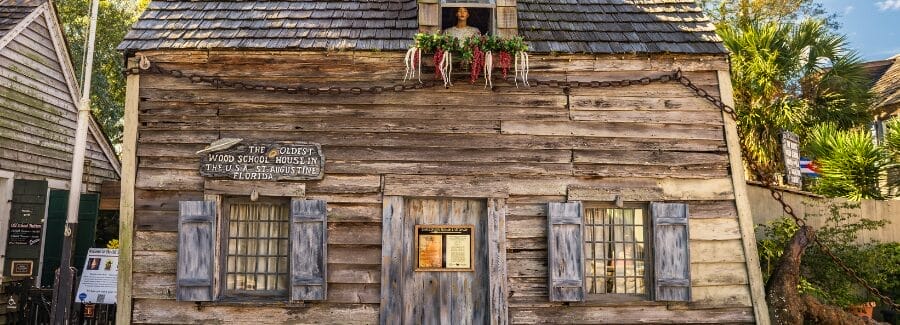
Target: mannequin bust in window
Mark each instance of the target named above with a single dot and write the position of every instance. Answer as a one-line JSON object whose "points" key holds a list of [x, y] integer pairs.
{"points": [[462, 30]]}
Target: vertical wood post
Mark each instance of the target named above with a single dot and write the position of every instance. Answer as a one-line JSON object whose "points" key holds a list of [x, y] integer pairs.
{"points": [[6, 192], [391, 260], [745, 218], [126, 203], [497, 281]]}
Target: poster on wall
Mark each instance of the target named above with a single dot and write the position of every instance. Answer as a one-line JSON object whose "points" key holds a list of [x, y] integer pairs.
{"points": [[21, 268], [98, 280], [444, 247], [24, 234]]}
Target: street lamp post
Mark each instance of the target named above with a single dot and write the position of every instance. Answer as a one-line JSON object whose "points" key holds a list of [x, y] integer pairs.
{"points": [[62, 291]]}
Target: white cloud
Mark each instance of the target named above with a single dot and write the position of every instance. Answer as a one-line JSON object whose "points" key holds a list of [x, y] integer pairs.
{"points": [[888, 5], [848, 10]]}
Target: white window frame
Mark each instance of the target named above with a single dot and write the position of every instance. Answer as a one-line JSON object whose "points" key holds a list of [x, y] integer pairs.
{"points": [[492, 5], [647, 295], [6, 190], [222, 214]]}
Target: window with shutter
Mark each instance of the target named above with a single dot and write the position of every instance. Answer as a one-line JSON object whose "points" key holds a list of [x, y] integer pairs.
{"points": [[272, 249], [630, 252], [616, 252], [256, 247]]}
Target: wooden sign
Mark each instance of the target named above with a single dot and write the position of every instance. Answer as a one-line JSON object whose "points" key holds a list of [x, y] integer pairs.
{"points": [[21, 268], [444, 247], [790, 149], [272, 161], [24, 234]]}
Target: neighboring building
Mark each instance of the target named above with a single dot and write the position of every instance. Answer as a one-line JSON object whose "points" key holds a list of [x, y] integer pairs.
{"points": [[38, 98], [885, 77], [542, 204]]}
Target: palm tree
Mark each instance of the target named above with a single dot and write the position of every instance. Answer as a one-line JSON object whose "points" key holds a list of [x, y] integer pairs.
{"points": [[851, 164], [791, 77]]}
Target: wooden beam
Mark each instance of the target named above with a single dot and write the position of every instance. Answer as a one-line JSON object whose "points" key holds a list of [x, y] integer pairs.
{"points": [[232, 187], [497, 276], [391, 260], [126, 205], [65, 65], [663, 190], [445, 186], [745, 218]]}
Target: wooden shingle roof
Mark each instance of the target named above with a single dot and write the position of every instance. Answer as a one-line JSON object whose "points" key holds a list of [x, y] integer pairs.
{"points": [[885, 76], [12, 11], [566, 26]]}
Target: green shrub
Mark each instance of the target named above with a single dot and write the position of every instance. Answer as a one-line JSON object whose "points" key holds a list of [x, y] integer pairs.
{"points": [[877, 263]]}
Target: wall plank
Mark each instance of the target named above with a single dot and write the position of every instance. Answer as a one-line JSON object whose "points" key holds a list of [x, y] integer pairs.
{"points": [[526, 146]]}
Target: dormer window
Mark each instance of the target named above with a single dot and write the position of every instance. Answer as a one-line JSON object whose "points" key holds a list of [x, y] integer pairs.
{"points": [[491, 17], [481, 14]]}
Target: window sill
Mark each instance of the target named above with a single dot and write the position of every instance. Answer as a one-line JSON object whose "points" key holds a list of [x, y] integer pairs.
{"points": [[600, 300], [252, 303]]}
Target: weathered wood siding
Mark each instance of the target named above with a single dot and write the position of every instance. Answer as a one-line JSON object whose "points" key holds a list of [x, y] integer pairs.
{"points": [[38, 114], [648, 143]]}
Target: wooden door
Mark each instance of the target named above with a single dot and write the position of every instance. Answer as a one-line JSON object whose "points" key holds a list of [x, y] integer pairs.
{"points": [[457, 297], [56, 223]]}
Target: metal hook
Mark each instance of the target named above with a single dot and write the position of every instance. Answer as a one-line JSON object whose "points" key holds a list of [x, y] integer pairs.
{"points": [[144, 63]]}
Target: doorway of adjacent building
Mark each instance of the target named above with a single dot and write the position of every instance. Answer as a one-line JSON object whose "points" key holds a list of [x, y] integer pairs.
{"points": [[55, 225]]}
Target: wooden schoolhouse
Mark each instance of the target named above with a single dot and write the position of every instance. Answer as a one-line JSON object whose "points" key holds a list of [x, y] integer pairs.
{"points": [[38, 98], [278, 167]]}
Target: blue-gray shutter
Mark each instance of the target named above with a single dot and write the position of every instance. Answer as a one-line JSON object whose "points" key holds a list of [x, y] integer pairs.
{"points": [[309, 240], [672, 256], [196, 242], [565, 251]]}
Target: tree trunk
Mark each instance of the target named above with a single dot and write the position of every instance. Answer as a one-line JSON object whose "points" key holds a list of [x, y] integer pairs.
{"points": [[786, 304]]}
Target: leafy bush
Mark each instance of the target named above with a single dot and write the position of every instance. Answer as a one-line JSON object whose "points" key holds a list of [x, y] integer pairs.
{"points": [[851, 165], [877, 263]]}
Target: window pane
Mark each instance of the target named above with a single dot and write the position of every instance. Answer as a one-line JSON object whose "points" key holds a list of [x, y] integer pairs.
{"points": [[614, 241], [257, 247]]}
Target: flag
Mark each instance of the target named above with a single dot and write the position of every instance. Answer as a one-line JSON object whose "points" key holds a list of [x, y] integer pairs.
{"points": [[809, 167]]}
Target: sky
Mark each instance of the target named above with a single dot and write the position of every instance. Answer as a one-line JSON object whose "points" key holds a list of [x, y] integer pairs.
{"points": [[872, 26]]}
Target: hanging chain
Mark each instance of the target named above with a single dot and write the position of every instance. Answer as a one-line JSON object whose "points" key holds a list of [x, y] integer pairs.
{"points": [[770, 183], [223, 83], [761, 173]]}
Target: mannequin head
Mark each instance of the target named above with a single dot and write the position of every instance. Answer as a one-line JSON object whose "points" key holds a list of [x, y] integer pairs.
{"points": [[462, 16]]}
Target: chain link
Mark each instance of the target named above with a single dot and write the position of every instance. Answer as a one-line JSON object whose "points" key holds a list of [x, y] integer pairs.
{"points": [[765, 175], [401, 87], [312, 91]]}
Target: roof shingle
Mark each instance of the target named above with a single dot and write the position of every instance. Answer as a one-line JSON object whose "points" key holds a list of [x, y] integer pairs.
{"points": [[885, 76], [12, 12], [589, 26]]}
